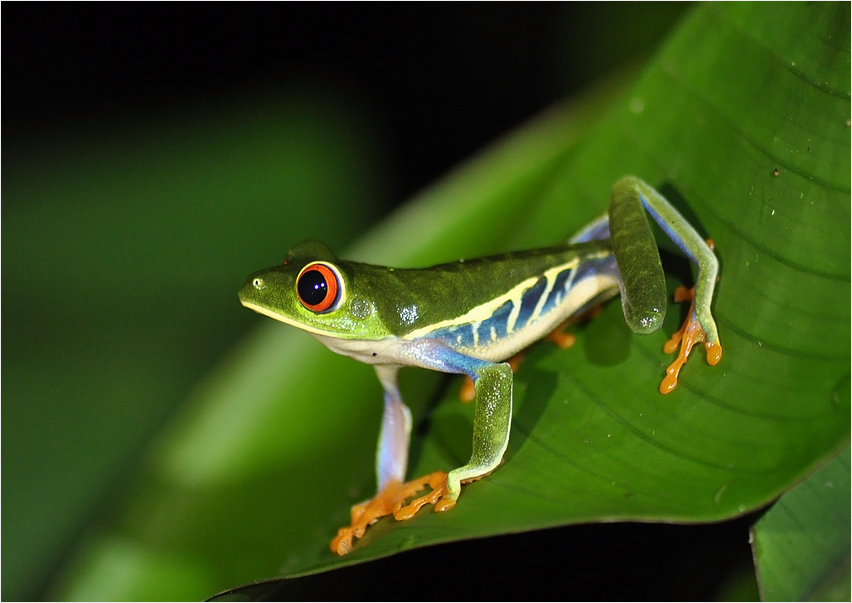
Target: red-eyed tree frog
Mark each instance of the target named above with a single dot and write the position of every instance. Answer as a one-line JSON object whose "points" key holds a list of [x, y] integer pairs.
{"points": [[468, 317]]}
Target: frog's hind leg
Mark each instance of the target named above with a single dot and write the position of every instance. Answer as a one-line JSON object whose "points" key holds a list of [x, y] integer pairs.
{"points": [[629, 196], [690, 333], [596, 230]]}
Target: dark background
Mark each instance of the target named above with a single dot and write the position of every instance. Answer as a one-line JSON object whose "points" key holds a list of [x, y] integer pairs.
{"points": [[441, 82], [445, 79]]}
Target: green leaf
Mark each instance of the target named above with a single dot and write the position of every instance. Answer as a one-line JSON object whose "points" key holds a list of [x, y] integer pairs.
{"points": [[801, 546], [742, 119]]}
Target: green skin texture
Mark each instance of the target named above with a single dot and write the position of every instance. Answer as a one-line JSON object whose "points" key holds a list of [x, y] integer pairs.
{"points": [[383, 316]]}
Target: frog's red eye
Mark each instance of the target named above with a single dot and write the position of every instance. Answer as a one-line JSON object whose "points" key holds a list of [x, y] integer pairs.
{"points": [[319, 287]]}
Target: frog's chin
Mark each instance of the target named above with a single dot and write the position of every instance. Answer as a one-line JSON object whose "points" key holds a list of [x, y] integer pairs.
{"points": [[389, 350]]}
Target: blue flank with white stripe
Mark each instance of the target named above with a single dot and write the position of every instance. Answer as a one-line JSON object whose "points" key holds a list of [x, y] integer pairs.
{"points": [[534, 311]]}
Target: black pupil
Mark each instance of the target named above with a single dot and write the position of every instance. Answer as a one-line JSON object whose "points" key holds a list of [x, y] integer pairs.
{"points": [[312, 287]]}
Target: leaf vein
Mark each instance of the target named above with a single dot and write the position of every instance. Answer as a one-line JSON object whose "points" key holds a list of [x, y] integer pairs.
{"points": [[651, 441]]}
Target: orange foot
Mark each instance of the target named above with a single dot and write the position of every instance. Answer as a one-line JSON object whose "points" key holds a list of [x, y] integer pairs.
{"points": [[391, 500], [690, 333]]}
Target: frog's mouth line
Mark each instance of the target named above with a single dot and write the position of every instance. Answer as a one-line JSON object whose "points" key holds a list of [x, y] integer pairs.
{"points": [[287, 321], [279, 317]]}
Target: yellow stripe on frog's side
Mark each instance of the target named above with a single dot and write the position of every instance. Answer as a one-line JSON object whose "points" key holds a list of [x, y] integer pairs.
{"points": [[476, 316]]}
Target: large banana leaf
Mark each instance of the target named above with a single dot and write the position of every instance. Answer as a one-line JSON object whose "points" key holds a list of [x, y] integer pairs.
{"points": [[742, 119]]}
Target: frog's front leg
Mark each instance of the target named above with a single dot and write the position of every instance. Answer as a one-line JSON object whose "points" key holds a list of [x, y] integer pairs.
{"points": [[492, 420], [392, 451], [491, 424], [391, 463]]}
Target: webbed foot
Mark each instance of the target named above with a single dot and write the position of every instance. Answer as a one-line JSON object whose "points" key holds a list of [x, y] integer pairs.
{"points": [[391, 501], [690, 333]]}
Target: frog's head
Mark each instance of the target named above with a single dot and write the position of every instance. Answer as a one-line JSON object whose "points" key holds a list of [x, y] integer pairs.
{"points": [[314, 291]]}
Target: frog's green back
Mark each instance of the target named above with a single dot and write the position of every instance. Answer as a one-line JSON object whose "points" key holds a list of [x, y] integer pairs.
{"points": [[377, 302], [409, 300]]}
